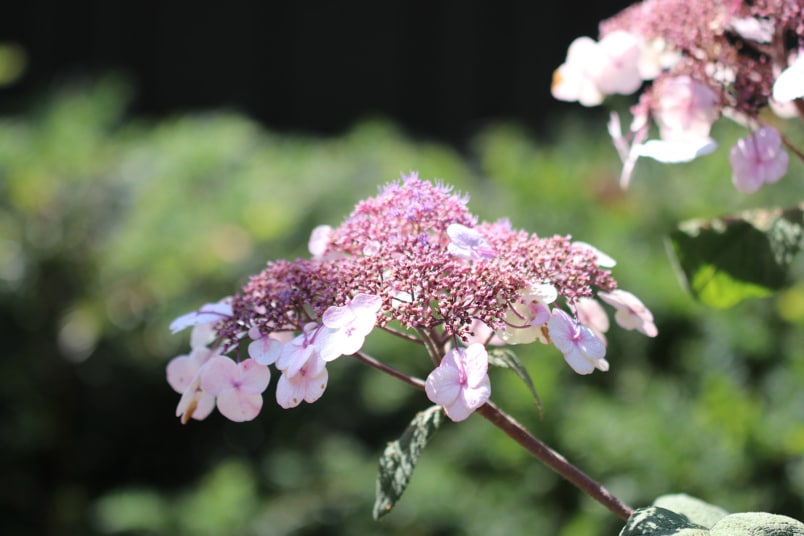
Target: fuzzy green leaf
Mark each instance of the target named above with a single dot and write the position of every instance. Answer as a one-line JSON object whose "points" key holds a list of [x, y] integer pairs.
{"points": [[400, 457], [657, 521], [726, 260]]}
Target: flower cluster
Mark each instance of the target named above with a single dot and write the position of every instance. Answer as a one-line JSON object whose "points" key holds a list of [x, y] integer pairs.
{"points": [[697, 60], [415, 262]]}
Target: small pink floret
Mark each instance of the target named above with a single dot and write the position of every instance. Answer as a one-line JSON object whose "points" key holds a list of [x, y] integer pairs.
{"points": [[758, 159], [460, 383], [582, 349], [631, 312]]}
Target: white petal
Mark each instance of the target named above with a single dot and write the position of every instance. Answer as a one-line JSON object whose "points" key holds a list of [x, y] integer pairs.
{"points": [[676, 151], [790, 84]]}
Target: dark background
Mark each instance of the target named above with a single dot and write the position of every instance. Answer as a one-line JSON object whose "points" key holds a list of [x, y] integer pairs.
{"points": [[441, 68]]}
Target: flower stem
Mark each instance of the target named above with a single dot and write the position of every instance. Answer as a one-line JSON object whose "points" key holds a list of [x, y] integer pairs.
{"points": [[554, 460], [518, 433]]}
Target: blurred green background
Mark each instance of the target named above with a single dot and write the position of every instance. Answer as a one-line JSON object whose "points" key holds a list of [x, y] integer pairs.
{"points": [[112, 225]]}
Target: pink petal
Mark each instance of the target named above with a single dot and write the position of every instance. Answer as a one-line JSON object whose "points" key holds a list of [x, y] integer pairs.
{"points": [[289, 394], [475, 364], [219, 374], [458, 411], [477, 396], [181, 371], [239, 406], [338, 317], [295, 355], [579, 362], [443, 385], [315, 385], [265, 350], [254, 377]]}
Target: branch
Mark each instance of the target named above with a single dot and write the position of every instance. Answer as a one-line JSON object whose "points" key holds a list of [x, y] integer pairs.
{"points": [[518, 433], [554, 460]]}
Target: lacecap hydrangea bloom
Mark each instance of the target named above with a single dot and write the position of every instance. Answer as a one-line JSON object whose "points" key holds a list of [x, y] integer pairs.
{"points": [[415, 262], [695, 61]]}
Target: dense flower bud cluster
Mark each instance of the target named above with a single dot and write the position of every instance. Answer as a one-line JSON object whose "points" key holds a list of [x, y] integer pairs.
{"points": [[696, 60], [412, 260]]}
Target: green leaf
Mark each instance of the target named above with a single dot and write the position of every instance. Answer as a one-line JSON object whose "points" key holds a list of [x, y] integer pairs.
{"points": [[506, 358], [694, 509], [400, 457], [758, 524], [682, 515], [726, 260], [657, 521]]}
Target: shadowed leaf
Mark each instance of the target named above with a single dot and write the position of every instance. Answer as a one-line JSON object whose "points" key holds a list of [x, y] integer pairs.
{"points": [[400, 457], [726, 260]]}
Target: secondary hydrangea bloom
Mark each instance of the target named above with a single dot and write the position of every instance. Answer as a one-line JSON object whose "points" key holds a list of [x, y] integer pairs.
{"points": [[758, 159], [583, 350], [237, 387], [412, 261], [631, 312], [460, 383], [698, 60]]}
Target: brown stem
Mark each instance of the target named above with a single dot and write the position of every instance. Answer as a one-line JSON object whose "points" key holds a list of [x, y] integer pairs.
{"points": [[402, 335], [518, 433], [792, 148], [554, 460]]}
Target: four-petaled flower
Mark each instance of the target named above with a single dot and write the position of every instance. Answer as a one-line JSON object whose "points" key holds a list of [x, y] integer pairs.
{"points": [[183, 375], [582, 349], [527, 315], [460, 383], [758, 159], [631, 312], [346, 327], [307, 383], [237, 386], [467, 243]]}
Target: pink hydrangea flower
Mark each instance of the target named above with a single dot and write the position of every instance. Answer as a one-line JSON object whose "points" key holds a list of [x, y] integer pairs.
{"points": [[308, 383], [467, 243], [346, 327], [758, 159], [295, 353], [319, 241], [631, 312], [619, 71], [266, 349], [574, 79], [528, 314], [184, 372], [591, 314], [582, 349], [460, 383], [237, 386], [594, 69]]}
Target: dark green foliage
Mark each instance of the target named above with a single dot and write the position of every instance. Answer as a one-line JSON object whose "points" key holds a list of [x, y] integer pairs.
{"points": [[400, 457], [726, 260]]}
